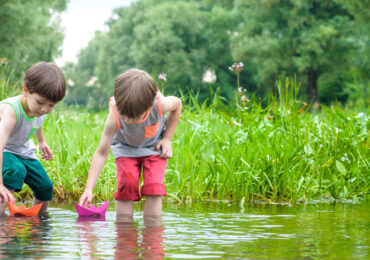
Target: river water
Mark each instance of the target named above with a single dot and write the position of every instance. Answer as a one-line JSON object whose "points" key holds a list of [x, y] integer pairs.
{"points": [[194, 231]]}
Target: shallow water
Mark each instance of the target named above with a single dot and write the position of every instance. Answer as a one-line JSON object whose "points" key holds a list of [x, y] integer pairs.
{"points": [[210, 230]]}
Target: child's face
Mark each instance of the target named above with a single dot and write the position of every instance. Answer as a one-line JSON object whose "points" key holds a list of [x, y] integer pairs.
{"points": [[38, 105]]}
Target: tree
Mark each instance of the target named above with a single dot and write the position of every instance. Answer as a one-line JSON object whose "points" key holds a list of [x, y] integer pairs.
{"points": [[182, 39], [30, 32], [307, 38], [360, 11], [84, 88]]}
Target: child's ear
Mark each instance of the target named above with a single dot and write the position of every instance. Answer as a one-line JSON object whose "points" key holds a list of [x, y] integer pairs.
{"points": [[25, 90]]}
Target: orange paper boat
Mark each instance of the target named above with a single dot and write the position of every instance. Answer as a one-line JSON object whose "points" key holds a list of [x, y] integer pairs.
{"points": [[23, 211]]}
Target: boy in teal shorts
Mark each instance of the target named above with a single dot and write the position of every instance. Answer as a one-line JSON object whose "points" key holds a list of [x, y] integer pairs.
{"points": [[21, 117]]}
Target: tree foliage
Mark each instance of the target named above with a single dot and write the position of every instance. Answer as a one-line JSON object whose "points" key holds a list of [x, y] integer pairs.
{"points": [[182, 39], [306, 38], [322, 43], [30, 31]]}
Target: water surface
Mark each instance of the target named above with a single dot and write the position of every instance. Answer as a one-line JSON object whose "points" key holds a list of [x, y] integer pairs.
{"points": [[196, 231]]}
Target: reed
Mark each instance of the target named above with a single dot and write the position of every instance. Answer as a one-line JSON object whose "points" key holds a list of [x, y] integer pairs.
{"points": [[278, 153], [6, 88]]}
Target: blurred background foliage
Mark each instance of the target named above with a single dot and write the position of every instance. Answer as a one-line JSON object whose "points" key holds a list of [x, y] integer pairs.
{"points": [[30, 32], [324, 44]]}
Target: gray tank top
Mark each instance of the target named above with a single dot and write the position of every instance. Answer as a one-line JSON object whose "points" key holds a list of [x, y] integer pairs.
{"points": [[136, 140], [20, 142]]}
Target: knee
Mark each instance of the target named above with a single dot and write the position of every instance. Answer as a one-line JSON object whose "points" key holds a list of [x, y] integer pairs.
{"points": [[128, 186], [128, 190], [153, 189], [130, 183], [13, 178], [44, 191], [47, 185], [13, 168]]}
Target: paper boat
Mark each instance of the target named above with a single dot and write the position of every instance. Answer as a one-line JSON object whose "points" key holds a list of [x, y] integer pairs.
{"points": [[92, 211], [23, 211]]}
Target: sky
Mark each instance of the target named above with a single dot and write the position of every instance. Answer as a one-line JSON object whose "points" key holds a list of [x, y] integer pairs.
{"points": [[80, 21]]}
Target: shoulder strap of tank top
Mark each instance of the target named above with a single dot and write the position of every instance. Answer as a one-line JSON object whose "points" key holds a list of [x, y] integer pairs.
{"points": [[16, 110], [159, 106], [112, 105]]}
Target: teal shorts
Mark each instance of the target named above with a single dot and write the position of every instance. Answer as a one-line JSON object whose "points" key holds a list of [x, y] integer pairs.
{"points": [[17, 170]]}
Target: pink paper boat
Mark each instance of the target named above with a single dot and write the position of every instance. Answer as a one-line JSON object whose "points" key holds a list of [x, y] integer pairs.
{"points": [[92, 211]]}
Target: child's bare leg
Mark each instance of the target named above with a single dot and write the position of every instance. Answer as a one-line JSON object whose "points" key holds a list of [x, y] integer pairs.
{"points": [[44, 206], [125, 207], [124, 218], [153, 206], [2, 208], [152, 221], [4, 205]]}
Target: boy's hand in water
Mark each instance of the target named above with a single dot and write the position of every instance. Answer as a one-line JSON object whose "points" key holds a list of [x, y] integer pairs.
{"points": [[6, 195], [86, 198]]}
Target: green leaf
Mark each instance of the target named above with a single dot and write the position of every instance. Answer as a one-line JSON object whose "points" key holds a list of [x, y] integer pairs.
{"points": [[340, 167], [308, 149]]}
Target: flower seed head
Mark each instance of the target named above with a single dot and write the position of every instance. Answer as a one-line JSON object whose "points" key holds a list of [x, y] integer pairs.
{"points": [[3, 61], [162, 76]]}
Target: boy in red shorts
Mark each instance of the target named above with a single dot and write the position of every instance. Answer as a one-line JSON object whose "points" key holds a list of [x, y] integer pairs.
{"points": [[139, 135]]}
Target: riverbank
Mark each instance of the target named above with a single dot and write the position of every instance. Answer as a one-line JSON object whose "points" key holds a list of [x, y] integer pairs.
{"points": [[277, 153]]}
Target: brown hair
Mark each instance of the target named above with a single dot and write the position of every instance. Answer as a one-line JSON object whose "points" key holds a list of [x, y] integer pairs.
{"points": [[47, 80], [134, 92]]}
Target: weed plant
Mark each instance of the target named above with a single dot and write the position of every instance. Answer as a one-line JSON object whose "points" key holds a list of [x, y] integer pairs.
{"points": [[7, 89]]}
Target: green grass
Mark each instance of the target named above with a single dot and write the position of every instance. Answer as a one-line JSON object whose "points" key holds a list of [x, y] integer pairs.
{"points": [[7, 89], [272, 153], [244, 155]]}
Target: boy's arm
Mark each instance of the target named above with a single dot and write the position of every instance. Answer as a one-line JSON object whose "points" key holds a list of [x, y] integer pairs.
{"points": [[8, 121], [44, 147], [173, 106], [99, 158]]}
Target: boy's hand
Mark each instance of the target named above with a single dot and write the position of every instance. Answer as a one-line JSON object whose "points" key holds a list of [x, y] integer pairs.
{"points": [[164, 145], [6, 195], [86, 198], [47, 155]]}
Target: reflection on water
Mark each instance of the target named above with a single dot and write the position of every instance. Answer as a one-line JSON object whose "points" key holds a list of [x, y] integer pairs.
{"points": [[129, 244], [27, 233], [212, 230]]}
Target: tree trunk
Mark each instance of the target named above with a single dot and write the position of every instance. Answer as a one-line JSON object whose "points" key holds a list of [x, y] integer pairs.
{"points": [[312, 88]]}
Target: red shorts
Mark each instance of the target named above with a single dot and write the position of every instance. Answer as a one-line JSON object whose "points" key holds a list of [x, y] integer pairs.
{"points": [[128, 176]]}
